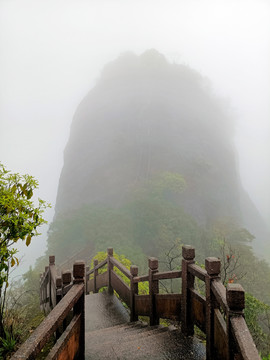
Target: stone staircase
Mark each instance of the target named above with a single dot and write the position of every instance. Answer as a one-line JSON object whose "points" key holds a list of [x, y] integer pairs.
{"points": [[109, 335]]}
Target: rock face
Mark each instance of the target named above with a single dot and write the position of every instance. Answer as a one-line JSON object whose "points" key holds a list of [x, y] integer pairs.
{"points": [[146, 116]]}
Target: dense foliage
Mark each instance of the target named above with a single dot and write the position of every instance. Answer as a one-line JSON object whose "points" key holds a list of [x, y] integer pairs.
{"points": [[19, 220]]}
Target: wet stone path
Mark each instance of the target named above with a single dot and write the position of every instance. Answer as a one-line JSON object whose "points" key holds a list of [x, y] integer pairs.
{"points": [[110, 335]]}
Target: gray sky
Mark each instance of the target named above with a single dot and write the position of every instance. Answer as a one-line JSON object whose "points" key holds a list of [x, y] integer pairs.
{"points": [[52, 51]]}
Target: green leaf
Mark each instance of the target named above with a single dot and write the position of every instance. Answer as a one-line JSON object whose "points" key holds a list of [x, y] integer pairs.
{"points": [[28, 240], [29, 194]]}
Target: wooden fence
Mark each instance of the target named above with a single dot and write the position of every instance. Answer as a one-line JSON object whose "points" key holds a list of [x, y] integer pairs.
{"points": [[64, 297], [218, 312]]}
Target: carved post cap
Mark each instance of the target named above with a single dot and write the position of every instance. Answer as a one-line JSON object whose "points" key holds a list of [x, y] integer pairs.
{"points": [[188, 252], [235, 296], [52, 260], [153, 263], [79, 270], [58, 282], [110, 251], [212, 265], [66, 277], [134, 270], [95, 262]]}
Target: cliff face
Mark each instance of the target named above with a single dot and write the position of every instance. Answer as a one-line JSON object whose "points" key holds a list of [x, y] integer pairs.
{"points": [[146, 116]]}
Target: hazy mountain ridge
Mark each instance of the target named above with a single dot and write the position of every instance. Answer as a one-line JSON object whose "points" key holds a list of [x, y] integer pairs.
{"points": [[146, 116]]}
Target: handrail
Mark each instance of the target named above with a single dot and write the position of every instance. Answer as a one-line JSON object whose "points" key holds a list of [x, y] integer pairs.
{"points": [[34, 344], [174, 274], [143, 278], [244, 339], [121, 267], [197, 271], [96, 267], [74, 299], [219, 291]]}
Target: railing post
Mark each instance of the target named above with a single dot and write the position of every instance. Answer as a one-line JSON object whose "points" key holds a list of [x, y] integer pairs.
{"points": [[212, 266], [95, 276], [110, 268], [187, 326], [66, 280], [235, 296], [153, 290], [133, 292], [58, 289], [79, 307], [51, 265], [86, 280]]}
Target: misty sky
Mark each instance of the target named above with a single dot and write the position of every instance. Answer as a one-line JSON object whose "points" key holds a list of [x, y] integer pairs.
{"points": [[52, 51]]}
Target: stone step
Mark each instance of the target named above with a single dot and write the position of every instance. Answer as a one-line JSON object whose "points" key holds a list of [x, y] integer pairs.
{"points": [[119, 328], [157, 343], [103, 310], [123, 335], [110, 335]]}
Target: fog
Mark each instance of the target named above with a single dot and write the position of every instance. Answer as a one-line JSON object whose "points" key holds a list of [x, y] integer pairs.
{"points": [[52, 52]]}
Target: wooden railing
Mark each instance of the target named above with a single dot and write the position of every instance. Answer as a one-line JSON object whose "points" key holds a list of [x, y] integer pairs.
{"points": [[218, 312], [66, 320]]}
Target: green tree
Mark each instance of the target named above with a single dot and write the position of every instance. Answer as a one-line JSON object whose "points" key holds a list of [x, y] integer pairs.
{"points": [[19, 220]]}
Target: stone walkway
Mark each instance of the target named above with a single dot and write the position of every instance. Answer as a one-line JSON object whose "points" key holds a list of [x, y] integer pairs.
{"points": [[109, 335]]}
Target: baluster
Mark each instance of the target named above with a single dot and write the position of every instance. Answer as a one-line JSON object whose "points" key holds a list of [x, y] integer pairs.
{"points": [[235, 296], [133, 292], [79, 307], [110, 268], [95, 276], [153, 290], [187, 326], [212, 266]]}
